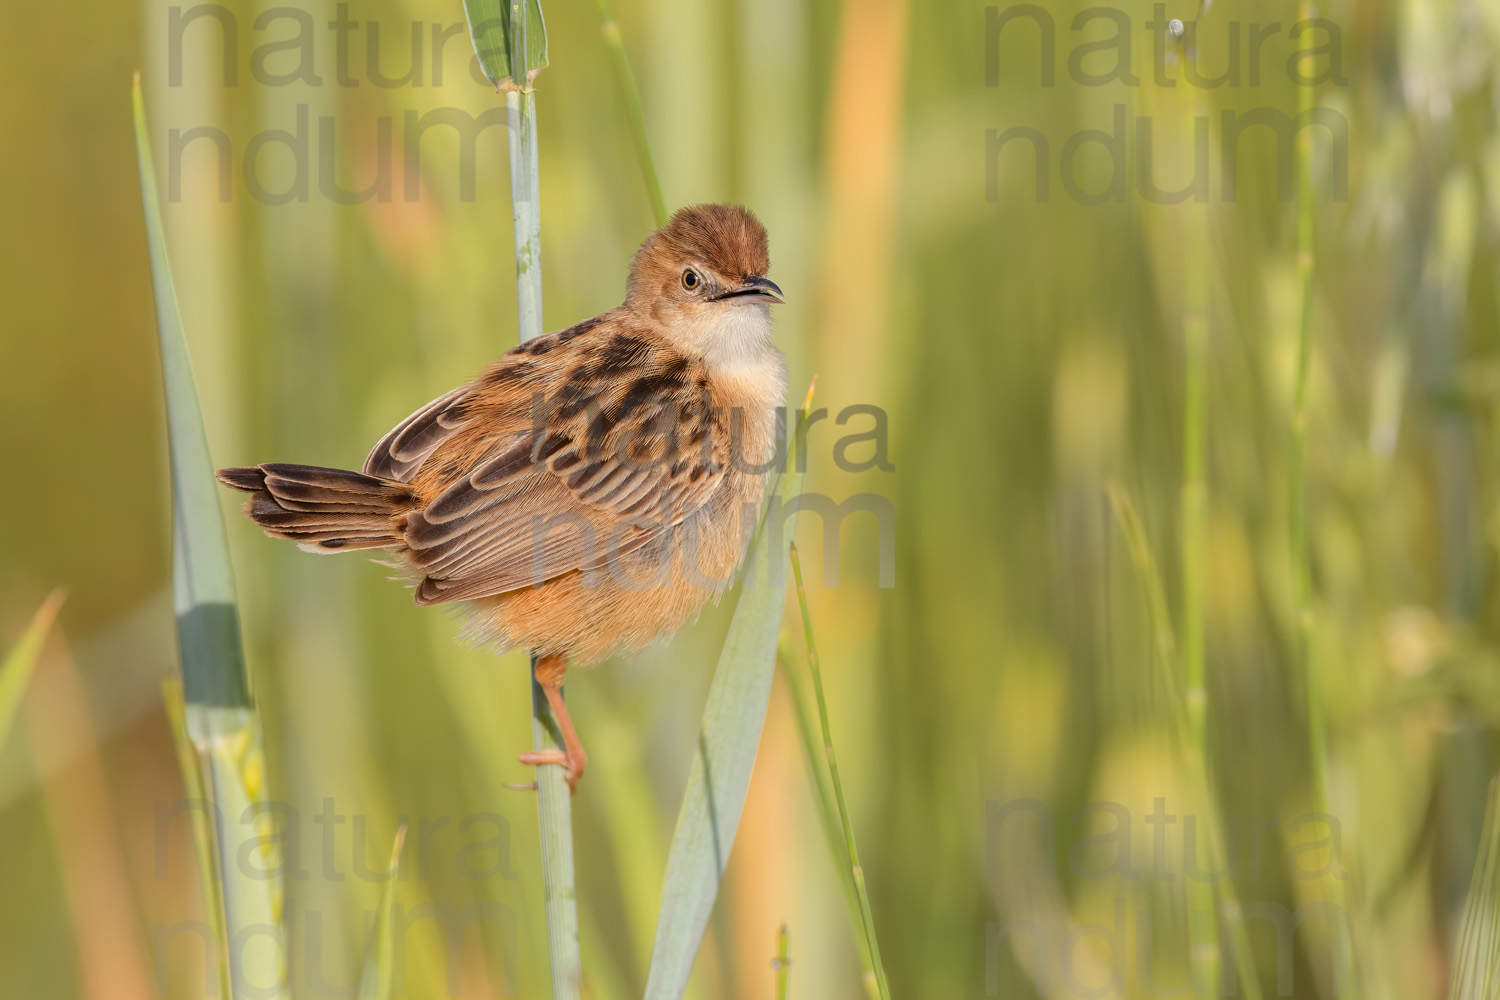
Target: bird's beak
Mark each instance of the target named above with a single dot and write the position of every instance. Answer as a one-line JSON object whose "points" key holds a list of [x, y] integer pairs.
{"points": [[754, 289]]}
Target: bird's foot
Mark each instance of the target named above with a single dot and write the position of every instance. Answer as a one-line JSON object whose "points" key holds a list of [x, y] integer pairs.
{"points": [[573, 762]]}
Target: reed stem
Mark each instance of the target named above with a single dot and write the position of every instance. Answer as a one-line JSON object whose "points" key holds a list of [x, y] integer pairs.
{"points": [[554, 799], [526, 209], [555, 815]]}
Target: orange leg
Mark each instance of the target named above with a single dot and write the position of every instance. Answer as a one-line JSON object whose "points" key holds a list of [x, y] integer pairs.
{"points": [[549, 672]]}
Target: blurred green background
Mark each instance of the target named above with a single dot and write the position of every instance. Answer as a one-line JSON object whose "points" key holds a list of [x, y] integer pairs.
{"points": [[1027, 349]]}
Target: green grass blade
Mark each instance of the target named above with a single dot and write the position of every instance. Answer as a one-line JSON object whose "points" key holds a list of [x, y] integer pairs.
{"points": [[218, 714], [1301, 553], [504, 42], [782, 964], [203, 831], [208, 625], [827, 813], [375, 980], [631, 95], [719, 776], [252, 901], [823, 795], [1476, 959], [1206, 961], [15, 671], [867, 919]]}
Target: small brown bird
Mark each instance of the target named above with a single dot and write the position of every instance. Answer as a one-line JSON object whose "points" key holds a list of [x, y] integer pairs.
{"points": [[594, 487]]}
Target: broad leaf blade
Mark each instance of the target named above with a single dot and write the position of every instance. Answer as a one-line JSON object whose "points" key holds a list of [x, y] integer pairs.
{"points": [[507, 47], [208, 628], [720, 774], [15, 671]]}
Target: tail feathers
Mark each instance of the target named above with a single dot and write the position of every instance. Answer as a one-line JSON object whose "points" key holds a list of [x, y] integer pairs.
{"points": [[324, 510]]}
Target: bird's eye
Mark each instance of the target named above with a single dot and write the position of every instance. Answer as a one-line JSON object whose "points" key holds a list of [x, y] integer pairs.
{"points": [[690, 279]]}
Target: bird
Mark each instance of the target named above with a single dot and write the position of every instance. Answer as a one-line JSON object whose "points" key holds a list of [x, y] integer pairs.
{"points": [[594, 487]]}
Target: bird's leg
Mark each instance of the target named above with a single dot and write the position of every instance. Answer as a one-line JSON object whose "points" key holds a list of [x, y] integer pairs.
{"points": [[549, 672]]}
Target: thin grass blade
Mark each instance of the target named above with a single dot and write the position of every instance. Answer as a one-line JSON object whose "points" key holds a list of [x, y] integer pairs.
{"points": [[208, 626], [827, 813], [631, 95], [782, 964], [856, 870], [375, 980], [1476, 960], [1206, 899], [19, 663]]}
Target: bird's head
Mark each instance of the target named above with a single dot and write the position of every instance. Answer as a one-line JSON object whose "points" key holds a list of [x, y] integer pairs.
{"points": [[704, 275]]}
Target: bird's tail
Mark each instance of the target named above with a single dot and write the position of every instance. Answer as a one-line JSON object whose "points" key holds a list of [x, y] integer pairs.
{"points": [[324, 510]]}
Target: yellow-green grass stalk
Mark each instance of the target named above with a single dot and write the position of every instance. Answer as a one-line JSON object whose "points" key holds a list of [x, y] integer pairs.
{"points": [[1475, 974], [510, 40], [631, 95], [1190, 739], [827, 813], [218, 714], [376, 977], [856, 870], [733, 717], [1186, 664], [1206, 960], [20, 662], [1343, 892], [782, 963], [1297, 502]]}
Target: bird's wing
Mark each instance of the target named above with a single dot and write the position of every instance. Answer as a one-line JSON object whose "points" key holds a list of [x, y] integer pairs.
{"points": [[583, 449], [402, 451]]}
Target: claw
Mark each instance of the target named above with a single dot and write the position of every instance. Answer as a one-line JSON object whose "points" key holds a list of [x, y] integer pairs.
{"points": [[543, 757], [574, 763]]}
